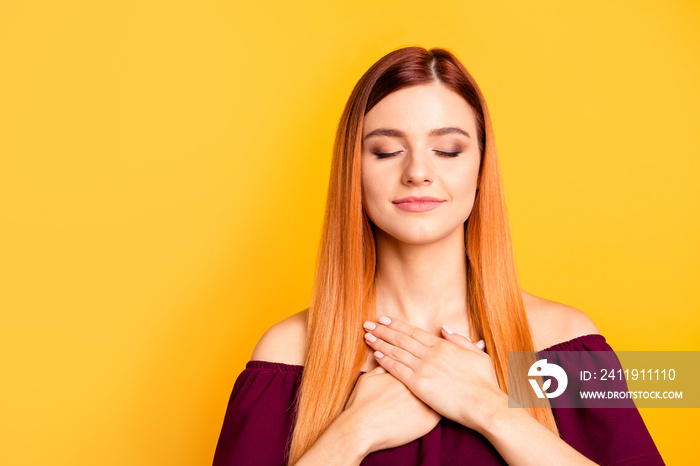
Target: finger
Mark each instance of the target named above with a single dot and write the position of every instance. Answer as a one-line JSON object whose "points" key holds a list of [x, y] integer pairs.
{"points": [[395, 352], [395, 368], [396, 338], [456, 338], [414, 332], [461, 340], [376, 370]]}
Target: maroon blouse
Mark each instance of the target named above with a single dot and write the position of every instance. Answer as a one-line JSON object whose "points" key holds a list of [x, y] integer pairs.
{"points": [[259, 418]]}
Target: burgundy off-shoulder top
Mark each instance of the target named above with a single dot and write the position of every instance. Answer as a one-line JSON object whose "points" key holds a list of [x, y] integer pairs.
{"points": [[259, 420]]}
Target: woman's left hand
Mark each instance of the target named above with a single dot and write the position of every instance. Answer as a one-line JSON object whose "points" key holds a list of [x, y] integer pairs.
{"points": [[451, 374]]}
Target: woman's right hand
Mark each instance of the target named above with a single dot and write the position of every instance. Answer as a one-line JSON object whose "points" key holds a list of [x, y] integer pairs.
{"points": [[386, 413], [380, 413]]}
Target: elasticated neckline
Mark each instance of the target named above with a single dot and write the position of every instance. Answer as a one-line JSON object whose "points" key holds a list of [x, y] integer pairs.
{"points": [[569, 345]]}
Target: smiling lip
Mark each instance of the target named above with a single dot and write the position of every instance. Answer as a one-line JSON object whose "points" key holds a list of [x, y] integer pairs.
{"points": [[418, 204]]}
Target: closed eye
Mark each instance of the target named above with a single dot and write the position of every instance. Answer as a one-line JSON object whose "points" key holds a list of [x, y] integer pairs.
{"points": [[448, 154], [383, 155]]}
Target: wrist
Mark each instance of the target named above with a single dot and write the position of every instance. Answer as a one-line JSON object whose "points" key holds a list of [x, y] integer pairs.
{"points": [[491, 413], [339, 445], [355, 441]]}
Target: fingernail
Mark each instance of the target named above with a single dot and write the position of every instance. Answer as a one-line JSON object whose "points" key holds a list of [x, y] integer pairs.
{"points": [[378, 355], [370, 337], [384, 320], [369, 325], [448, 329], [480, 344]]}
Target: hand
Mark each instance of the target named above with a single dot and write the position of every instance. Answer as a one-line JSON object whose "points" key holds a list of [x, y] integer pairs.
{"points": [[386, 412], [451, 374]]}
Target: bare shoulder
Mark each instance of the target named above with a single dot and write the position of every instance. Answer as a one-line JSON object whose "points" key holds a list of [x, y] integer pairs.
{"points": [[284, 342], [552, 322]]}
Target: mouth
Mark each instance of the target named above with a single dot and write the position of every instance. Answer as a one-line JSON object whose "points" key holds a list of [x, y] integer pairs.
{"points": [[418, 204], [417, 199]]}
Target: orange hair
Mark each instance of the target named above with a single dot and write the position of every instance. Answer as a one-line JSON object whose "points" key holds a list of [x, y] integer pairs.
{"points": [[343, 294]]}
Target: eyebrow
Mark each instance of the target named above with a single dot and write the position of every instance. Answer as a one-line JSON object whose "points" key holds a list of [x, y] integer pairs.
{"points": [[397, 133]]}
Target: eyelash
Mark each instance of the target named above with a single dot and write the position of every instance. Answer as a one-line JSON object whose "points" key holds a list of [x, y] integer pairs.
{"points": [[383, 155]]}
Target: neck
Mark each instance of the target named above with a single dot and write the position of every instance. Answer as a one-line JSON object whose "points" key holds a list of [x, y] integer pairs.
{"points": [[424, 285]]}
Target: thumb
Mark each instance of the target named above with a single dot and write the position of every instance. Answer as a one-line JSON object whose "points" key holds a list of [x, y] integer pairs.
{"points": [[460, 340]]}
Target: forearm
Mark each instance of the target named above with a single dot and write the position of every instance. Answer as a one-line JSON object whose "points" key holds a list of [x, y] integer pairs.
{"points": [[339, 445], [522, 441]]}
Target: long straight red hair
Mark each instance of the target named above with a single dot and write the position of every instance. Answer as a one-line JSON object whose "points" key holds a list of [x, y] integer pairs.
{"points": [[343, 294]]}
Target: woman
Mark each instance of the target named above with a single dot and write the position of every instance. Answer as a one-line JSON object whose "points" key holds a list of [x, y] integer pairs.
{"points": [[421, 295]]}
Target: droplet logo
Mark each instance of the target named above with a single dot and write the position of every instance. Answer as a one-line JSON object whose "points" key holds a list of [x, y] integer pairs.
{"points": [[544, 369]]}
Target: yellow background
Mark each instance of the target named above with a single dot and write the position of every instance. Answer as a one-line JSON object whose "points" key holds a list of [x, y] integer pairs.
{"points": [[164, 166]]}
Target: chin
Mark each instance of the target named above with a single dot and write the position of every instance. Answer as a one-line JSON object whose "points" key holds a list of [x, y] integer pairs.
{"points": [[424, 237]]}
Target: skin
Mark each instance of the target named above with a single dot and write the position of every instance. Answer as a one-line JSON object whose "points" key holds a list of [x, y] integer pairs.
{"points": [[420, 371], [421, 265]]}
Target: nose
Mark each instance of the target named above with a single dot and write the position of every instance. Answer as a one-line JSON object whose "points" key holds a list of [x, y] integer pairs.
{"points": [[418, 169]]}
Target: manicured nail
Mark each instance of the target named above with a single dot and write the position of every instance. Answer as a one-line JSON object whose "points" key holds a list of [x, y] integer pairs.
{"points": [[369, 325], [384, 320], [378, 355], [448, 329], [370, 337], [480, 344]]}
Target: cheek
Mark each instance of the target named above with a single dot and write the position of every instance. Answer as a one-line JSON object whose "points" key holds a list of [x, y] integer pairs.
{"points": [[462, 183], [370, 188], [371, 200], [371, 182]]}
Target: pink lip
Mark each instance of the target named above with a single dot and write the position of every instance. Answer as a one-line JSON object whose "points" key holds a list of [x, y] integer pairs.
{"points": [[418, 204]]}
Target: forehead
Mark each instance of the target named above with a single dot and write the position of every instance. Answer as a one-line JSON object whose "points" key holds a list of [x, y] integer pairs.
{"points": [[417, 109]]}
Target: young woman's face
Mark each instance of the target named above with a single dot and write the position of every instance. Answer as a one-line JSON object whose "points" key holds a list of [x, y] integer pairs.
{"points": [[429, 135]]}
